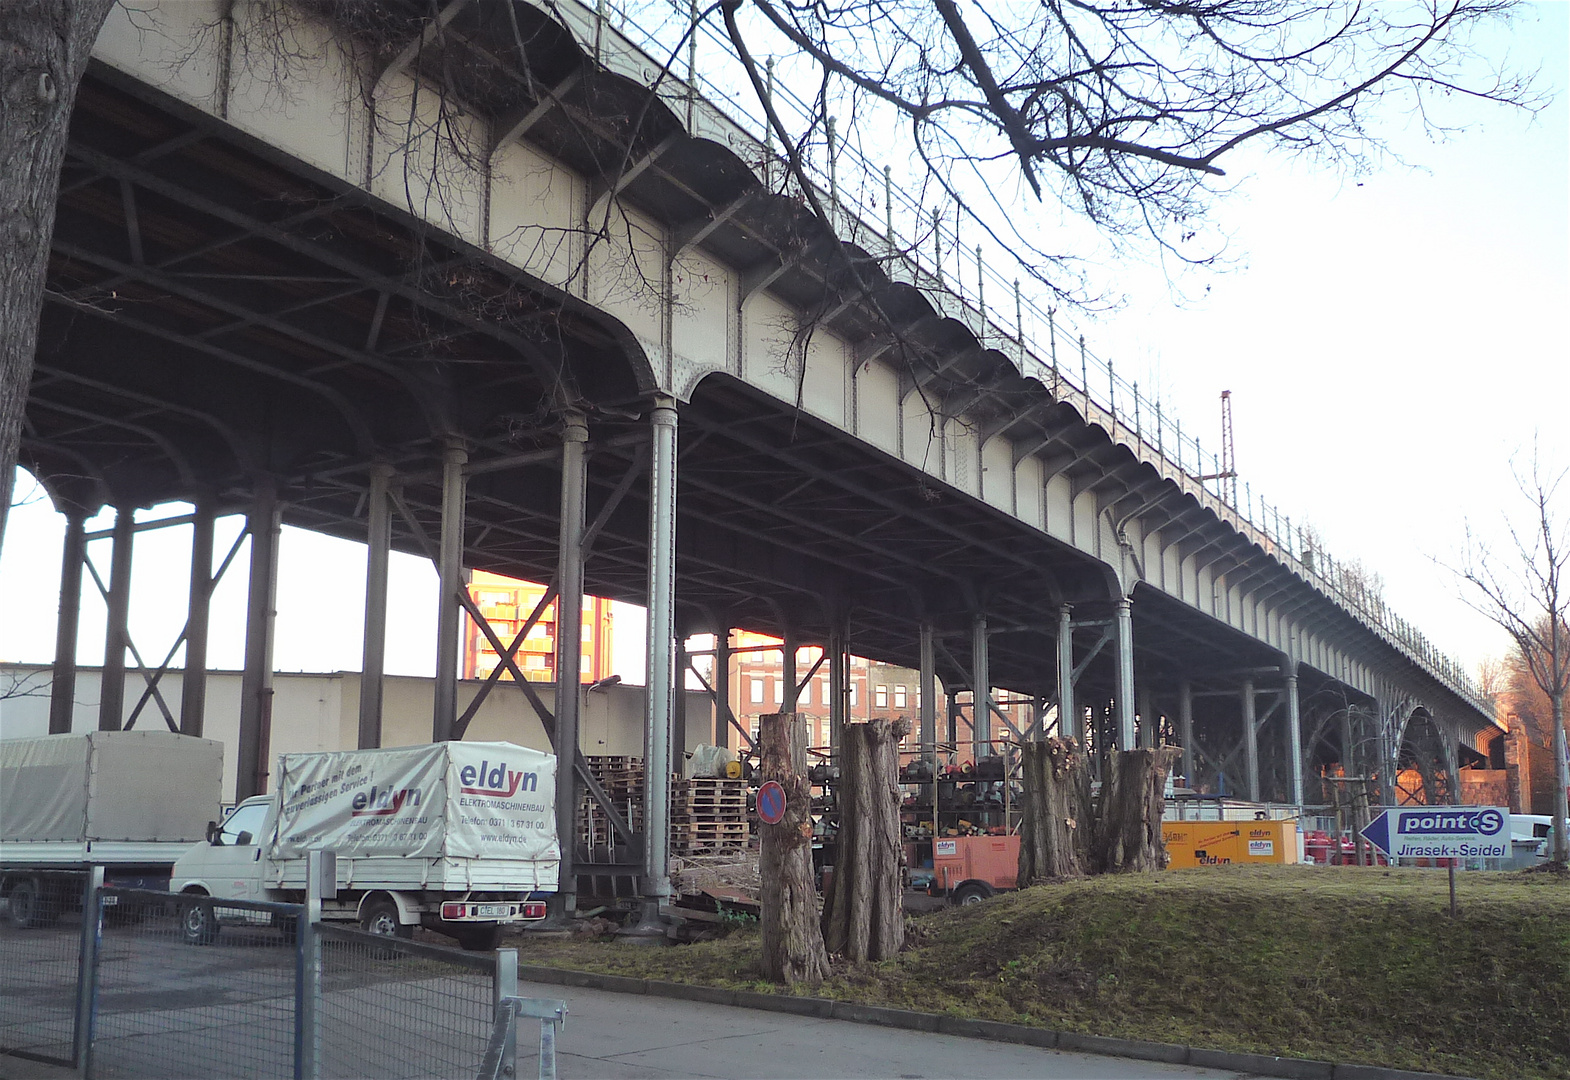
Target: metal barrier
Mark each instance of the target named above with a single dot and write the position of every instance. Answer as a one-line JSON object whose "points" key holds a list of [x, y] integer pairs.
{"points": [[41, 955], [501, 1054], [198, 986]]}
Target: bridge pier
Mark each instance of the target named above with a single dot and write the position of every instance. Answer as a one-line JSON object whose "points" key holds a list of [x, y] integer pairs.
{"points": [[1186, 728], [1250, 741], [1294, 738], [111, 694], [569, 650], [449, 612], [265, 523], [378, 552], [193, 687], [1124, 698], [722, 636], [980, 689], [73, 557], [661, 594], [1071, 721]]}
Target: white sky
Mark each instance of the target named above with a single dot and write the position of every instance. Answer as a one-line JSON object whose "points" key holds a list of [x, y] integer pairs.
{"points": [[1389, 344]]}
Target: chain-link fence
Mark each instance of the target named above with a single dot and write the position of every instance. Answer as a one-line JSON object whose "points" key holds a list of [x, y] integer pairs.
{"points": [[40, 953], [391, 1008], [195, 986]]}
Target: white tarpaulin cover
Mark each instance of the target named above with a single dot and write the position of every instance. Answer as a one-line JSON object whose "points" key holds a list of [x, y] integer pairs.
{"points": [[154, 786], [458, 800]]}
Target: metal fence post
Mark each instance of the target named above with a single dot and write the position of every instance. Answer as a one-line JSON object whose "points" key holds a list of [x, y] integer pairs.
{"points": [[321, 880], [87, 971], [505, 985]]}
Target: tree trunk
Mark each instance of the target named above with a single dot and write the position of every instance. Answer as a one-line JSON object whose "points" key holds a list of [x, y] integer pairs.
{"points": [[1561, 853], [863, 913], [1128, 829], [792, 941], [44, 47], [1055, 822]]}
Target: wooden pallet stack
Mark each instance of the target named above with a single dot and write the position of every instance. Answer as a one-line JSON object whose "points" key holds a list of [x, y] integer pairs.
{"points": [[708, 815], [622, 779]]}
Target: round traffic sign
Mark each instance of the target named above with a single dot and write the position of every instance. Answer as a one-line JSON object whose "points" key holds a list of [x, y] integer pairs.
{"points": [[771, 803]]}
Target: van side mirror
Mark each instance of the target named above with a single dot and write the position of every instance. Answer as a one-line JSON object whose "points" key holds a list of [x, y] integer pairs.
{"points": [[243, 839], [213, 834]]}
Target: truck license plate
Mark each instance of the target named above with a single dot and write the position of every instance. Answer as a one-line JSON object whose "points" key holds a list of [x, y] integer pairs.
{"points": [[493, 911]]}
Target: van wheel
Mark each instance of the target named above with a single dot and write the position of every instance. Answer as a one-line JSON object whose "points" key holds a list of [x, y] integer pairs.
{"points": [[972, 892], [198, 921], [380, 917], [27, 908]]}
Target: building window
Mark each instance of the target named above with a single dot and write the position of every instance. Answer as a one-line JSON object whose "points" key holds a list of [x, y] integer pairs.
{"points": [[880, 696], [779, 691], [755, 691], [899, 696], [827, 699], [805, 697], [918, 697], [853, 694]]}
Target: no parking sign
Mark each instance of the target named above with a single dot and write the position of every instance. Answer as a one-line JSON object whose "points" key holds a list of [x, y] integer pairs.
{"points": [[771, 803]]}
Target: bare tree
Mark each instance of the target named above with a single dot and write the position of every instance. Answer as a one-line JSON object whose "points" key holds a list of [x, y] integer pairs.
{"points": [[44, 46], [1525, 591], [1122, 113]]}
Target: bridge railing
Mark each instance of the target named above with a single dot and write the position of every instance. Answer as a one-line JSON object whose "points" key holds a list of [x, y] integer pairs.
{"points": [[922, 245]]}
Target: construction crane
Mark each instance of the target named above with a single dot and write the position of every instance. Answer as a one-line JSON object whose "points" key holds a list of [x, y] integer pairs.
{"points": [[1228, 452]]}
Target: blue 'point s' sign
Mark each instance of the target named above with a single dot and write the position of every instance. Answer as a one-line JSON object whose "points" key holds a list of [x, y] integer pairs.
{"points": [[1442, 832]]}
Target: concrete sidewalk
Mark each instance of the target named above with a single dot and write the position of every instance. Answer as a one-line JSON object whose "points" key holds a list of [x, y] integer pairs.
{"points": [[611, 1036]]}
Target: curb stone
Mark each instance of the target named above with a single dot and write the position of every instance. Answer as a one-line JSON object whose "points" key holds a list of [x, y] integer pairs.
{"points": [[1263, 1064], [1138, 1049], [995, 1030]]}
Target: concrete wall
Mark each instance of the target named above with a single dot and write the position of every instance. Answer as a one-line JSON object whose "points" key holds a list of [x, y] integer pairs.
{"points": [[321, 712]]}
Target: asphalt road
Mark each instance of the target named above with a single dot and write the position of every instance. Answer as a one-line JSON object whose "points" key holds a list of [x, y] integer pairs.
{"points": [[167, 1009], [612, 1036]]}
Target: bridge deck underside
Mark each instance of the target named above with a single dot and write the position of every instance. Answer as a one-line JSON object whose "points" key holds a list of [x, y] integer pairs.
{"points": [[217, 312]]}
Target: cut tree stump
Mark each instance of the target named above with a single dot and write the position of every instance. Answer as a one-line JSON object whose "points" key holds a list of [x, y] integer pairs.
{"points": [[793, 951], [1128, 825], [1055, 815], [863, 912]]}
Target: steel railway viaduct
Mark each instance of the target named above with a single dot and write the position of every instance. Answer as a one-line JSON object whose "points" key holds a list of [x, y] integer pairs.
{"points": [[465, 286]]}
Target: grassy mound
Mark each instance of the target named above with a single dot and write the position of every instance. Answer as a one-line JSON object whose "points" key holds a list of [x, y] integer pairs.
{"points": [[1345, 965]]}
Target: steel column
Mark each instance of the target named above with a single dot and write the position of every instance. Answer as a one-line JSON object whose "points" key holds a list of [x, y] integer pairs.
{"points": [[788, 671], [449, 614], [1148, 721], [264, 522], [1387, 755], [839, 683], [193, 685], [661, 612], [980, 689], [1070, 721], [1125, 695], [721, 686], [679, 704], [62, 690], [1250, 742], [569, 646], [373, 653], [929, 692], [1186, 728], [117, 637], [1294, 740]]}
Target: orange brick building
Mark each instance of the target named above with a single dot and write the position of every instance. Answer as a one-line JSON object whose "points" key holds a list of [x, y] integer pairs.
{"points": [[506, 604]]}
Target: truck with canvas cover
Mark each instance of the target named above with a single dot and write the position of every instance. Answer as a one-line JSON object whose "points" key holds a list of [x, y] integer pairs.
{"points": [[457, 837], [132, 802]]}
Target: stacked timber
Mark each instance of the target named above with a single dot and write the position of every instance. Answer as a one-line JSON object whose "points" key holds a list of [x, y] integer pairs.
{"points": [[708, 815], [622, 778]]}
